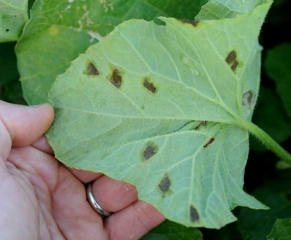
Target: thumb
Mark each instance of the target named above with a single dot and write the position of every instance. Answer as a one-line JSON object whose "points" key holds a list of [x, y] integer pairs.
{"points": [[22, 125]]}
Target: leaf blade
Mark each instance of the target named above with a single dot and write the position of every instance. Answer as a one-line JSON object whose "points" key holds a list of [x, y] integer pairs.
{"points": [[153, 110]]}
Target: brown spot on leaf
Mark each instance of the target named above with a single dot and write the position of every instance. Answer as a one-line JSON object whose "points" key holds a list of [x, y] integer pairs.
{"points": [[193, 23], [209, 142], [202, 124], [91, 69], [149, 151], [234, 65], [165, 183], [194, 216], [116, 78], [149, 86], [248, 99], [231, 59]]}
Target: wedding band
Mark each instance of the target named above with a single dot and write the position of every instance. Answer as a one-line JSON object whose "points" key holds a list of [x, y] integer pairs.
{"points": [[94, 204]]}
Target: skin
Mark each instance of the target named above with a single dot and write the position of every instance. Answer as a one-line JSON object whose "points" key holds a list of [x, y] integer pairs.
{"points": [[42, 199]]}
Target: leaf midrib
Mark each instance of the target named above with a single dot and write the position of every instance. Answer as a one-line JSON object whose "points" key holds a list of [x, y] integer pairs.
{"points": [[143, 117]]}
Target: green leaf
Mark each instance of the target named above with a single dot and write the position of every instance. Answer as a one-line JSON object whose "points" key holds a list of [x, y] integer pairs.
{"points": [[13, 16], [278, 67], [219, 9], [173, 231], [157, 106], [281, 230], [278, 127], [59, 30], [256, 225]]}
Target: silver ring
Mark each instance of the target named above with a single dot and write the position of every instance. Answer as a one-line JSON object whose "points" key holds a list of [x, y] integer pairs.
{"points": [[94, 204]]}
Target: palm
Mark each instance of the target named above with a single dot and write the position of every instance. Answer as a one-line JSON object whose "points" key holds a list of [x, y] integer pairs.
{"points": [[59, 202]]}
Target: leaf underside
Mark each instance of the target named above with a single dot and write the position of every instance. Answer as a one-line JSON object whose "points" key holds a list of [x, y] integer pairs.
{"points": [[157, 106]]}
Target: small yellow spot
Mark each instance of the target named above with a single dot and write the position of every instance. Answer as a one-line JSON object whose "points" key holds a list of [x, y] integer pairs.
{"points": [[53, 30]]}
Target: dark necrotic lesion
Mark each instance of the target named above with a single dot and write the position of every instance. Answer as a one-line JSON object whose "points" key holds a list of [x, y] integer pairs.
{"points": [[193, 23], [211, 140], [149, 151], [165, 183], [116, 78], [248, 99], [92, 69], [194, 216], [231, 60], [149, 86], [231, 57]]}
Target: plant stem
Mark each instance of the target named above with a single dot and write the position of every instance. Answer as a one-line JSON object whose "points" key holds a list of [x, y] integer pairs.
{"points": [[266, 139]]}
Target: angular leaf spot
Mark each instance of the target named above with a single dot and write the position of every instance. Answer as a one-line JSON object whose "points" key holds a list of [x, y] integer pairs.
{"points": [[150, 150], [194, 216], [249, 99], [234, 65], [202, 124], [91, 69], [231, 60], [149, 86], [116, 78], [209, 142], [231, 57], [165, 183], [193, 23]]}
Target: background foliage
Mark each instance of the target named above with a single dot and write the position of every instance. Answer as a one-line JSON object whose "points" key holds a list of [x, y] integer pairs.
{"points": [[263, 179]]}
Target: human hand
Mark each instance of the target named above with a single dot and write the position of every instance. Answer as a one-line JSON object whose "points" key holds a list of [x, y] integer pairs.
{"points": [[42, 199]]}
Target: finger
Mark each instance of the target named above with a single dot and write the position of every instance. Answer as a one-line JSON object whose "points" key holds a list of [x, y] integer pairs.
{"points": [[133, 222], [21, 125], [43, 145], [85, 176], [74, 215], [107, 190]]}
